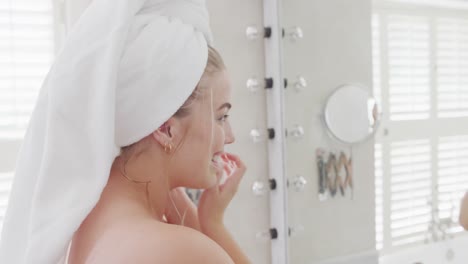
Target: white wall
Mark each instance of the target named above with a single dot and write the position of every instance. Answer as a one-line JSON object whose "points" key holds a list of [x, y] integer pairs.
{"points": [[336, 49]]}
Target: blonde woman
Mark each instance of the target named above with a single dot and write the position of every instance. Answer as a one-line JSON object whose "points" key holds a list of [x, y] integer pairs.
{"points": [[137, 216]]}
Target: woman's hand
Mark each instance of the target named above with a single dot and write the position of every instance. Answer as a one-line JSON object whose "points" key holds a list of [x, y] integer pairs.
{"points": [[180, 210], [464, 212], [214, 201]]}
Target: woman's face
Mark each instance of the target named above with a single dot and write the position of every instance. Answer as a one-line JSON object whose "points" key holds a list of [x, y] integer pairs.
{"points": [[208, 130]]}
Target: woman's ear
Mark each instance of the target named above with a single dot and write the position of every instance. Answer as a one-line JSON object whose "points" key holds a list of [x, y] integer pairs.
{"points": [[165, 133], [161, 137]]}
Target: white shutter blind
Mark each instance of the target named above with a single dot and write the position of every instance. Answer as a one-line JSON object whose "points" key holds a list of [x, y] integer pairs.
{"points": [[409, 69], [452, 67], [410, 191], [421, 169], [26, 53], [453, 176]]}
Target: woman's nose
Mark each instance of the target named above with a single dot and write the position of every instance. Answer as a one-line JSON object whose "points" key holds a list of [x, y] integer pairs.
{"points": [[229, 136], [229, 140]]}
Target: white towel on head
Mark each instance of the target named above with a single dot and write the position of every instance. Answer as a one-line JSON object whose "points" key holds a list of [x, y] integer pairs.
{"points": [[126, 67]]}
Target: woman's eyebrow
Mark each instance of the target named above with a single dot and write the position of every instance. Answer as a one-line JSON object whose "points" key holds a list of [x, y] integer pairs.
{"points": [[228, 105]]}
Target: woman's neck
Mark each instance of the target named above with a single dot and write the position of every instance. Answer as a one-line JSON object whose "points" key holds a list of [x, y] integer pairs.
{"points": [[144, 199]]}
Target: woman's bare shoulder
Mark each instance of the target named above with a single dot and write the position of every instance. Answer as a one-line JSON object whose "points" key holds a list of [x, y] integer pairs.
{"points": [[150, 242]]}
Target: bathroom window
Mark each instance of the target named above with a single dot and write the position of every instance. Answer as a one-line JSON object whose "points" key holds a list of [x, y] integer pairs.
{"points": [[420, 61], [26, 53], [27, 37]]}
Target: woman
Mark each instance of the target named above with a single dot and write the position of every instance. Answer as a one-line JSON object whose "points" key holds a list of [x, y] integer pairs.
{"points": [[165, 168], [134, 109], [464, 212]]}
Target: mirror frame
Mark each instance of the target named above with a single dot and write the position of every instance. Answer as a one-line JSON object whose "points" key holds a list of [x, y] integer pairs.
{"points": [[326, 121]]}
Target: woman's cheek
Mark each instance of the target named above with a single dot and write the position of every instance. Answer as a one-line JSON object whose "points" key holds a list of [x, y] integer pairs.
{"points": [[220, 136]]}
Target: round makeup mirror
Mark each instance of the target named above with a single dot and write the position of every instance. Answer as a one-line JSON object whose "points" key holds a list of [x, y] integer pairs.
{"points": [[351, 114]]}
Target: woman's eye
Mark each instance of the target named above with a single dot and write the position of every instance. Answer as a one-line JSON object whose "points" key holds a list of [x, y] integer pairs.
{"points": [[223, 118]]}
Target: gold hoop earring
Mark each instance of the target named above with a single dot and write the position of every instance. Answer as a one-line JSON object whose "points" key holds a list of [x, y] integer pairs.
{"points": [[168, 148]]}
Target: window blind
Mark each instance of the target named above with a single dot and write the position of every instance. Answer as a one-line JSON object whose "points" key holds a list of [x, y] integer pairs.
{"points": [[26, 52], [452, 67], [410, 191], [409, 72], [421, 161], [453, 176]]}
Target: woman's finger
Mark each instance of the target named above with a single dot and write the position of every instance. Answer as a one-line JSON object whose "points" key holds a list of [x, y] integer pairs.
{"points": [[236, 174], [231, 185], [237, 161]]}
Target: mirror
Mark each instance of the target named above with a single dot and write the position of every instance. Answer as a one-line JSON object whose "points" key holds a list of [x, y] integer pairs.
{"points": [[395, 195], [351, 114], [327, 44]]}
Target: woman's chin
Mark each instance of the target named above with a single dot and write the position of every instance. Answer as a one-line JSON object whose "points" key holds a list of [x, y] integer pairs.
{"points": [[213, 178], [208, 180], [202, 181]]}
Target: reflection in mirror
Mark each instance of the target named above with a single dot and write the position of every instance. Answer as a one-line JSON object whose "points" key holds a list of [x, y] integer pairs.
{"points": [[407, 179], [330, 210], [351, 114]]}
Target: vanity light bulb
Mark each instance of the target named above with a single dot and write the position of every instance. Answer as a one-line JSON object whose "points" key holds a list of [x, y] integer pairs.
{"points": [[294, 231], [297, 132], [299, 183], [253, 84], [258, 188], [252, 33], [300, 84], [256, 135], [295, 33]]}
